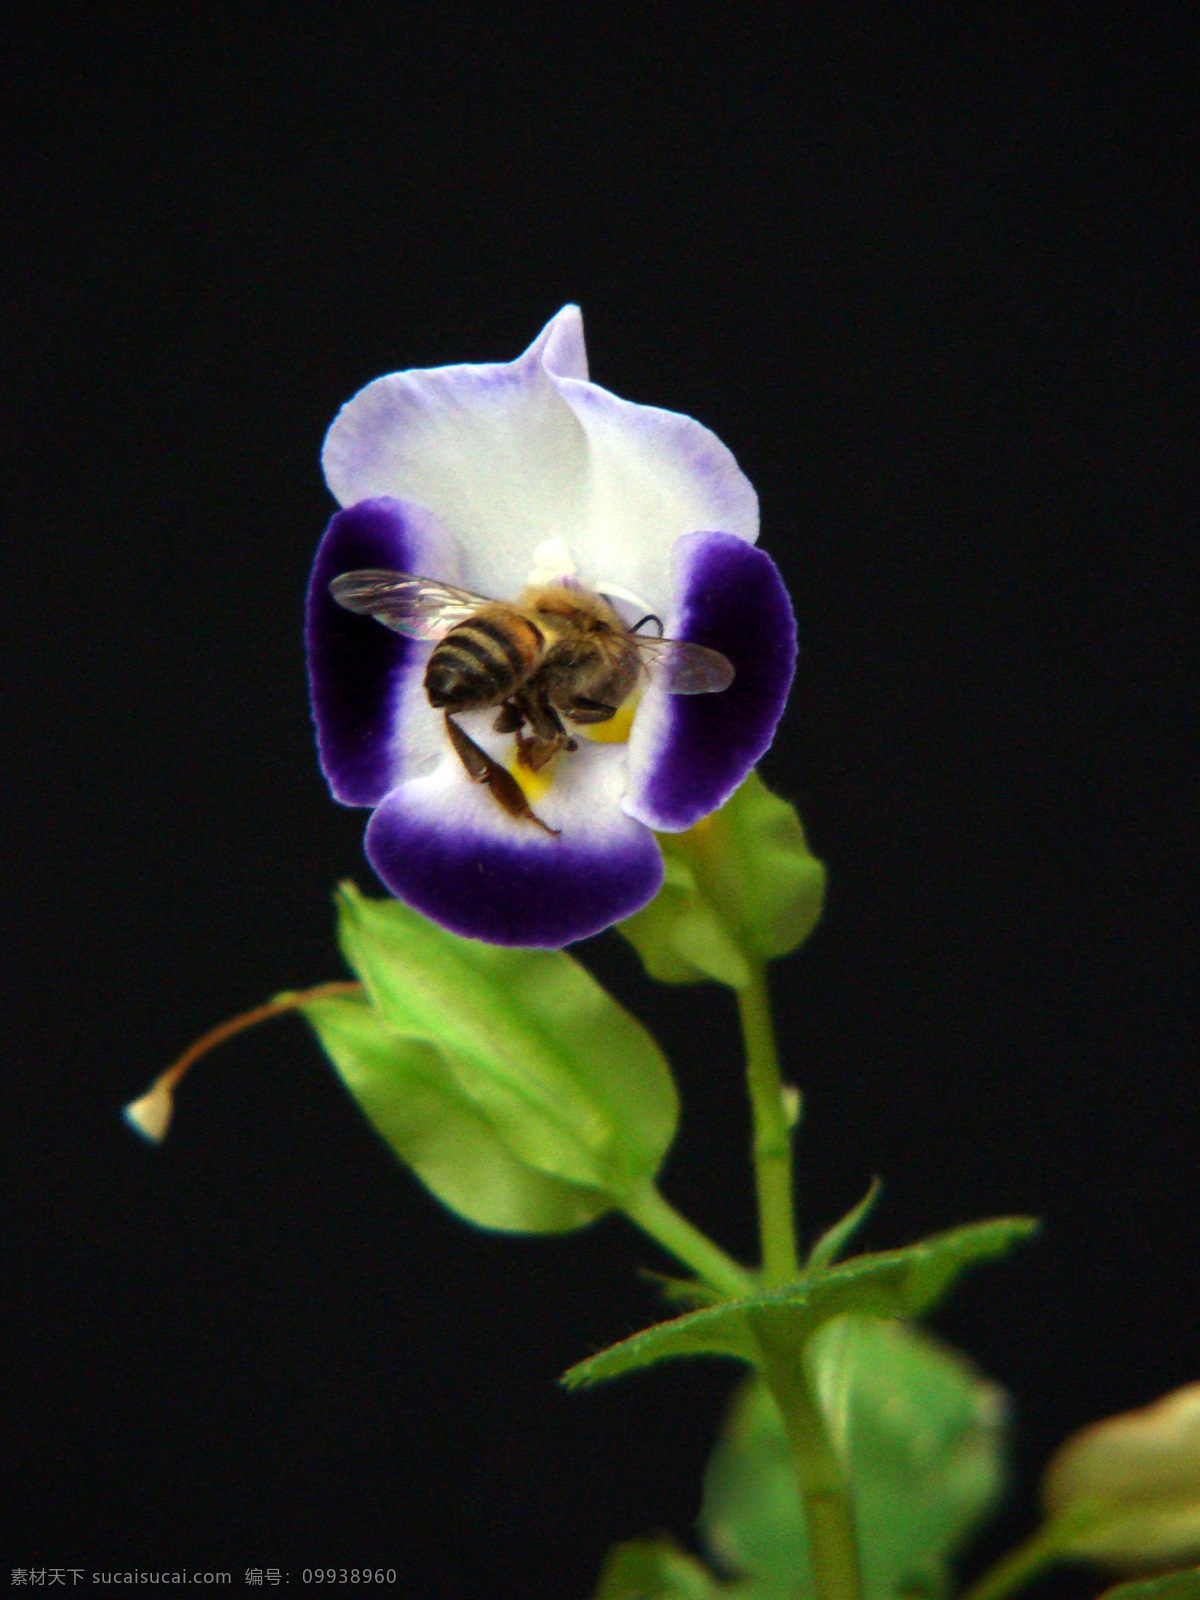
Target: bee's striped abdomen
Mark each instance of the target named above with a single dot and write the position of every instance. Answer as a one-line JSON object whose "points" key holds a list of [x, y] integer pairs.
{"points": [[483, 660]]}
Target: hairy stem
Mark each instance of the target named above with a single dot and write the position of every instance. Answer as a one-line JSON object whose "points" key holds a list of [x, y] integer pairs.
{"points": [[824, 1492], [772, 1133], [828, 1508]]}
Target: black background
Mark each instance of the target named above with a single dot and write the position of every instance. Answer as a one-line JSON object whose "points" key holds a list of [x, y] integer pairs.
{"points": [[931, 275]]}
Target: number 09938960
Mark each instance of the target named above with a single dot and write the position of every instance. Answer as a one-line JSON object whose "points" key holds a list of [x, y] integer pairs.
{"points": [[348, 1575]]}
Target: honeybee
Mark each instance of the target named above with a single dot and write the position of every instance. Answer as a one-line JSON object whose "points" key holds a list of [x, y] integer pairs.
{"points": [[561, 653]]}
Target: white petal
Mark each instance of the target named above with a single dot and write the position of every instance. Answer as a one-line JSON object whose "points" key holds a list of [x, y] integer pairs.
{"points": [[561, 347], [652, 476], [513, 455], [495, 451]]}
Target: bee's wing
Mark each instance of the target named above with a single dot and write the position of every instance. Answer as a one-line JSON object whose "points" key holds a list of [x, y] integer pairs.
{"points": [[685, 668], [422, 608]]}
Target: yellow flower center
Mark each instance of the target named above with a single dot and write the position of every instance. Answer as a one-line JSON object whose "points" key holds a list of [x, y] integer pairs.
{"points": [[534, 785]]}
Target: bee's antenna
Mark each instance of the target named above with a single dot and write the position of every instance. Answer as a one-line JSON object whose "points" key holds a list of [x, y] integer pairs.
{"points": [[649, 617]]}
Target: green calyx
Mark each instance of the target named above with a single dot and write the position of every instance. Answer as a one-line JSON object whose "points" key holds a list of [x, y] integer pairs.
{"points": [[739, 888]]}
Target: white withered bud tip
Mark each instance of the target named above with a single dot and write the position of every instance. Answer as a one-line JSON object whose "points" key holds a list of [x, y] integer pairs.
{"points": [[151, 1115]]}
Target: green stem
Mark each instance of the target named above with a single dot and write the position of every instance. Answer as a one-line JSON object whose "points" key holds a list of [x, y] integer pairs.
{"points": [[1018, 1567], [656, 1216], [772, 1134], [828, 1508]]}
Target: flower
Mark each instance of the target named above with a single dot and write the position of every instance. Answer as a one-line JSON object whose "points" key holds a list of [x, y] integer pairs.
{"points": [[490, 478]]}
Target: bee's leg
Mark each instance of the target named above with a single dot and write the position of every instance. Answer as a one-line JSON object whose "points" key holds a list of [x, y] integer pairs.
{"points": [[533, 750], [585, 711], [480, 768], [510, 718], [548, 737]]}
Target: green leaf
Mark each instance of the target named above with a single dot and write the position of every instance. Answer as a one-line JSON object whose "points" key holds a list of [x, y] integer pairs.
{"points": [[713, 1331], [569, 1083], [1169, 1586], [891, 1283], [657, 1569], [739, 887], [921, 1434], [1125, 1492], [406, 1092], [834, 1240]]}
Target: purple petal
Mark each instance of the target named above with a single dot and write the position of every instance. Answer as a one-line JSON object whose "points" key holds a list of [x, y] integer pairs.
{"points": [[358, 669], [443, 845], [688, 753]]}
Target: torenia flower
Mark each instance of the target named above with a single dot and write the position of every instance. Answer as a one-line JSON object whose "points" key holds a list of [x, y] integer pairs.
{"points": [[493, 479]]}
